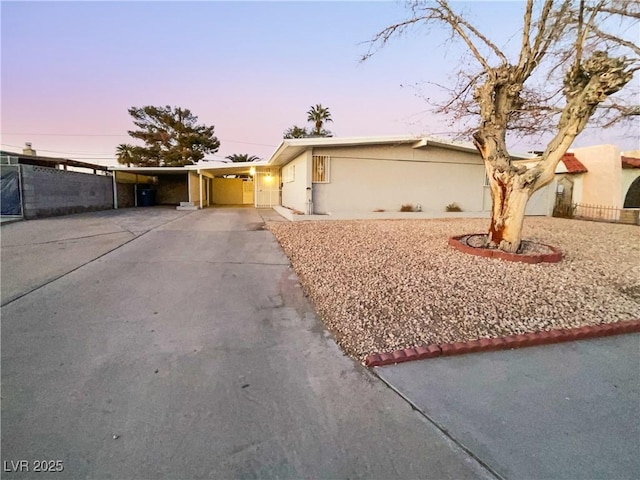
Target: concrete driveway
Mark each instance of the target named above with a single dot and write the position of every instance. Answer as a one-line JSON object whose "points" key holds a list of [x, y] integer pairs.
{"points": [[152, 343]]}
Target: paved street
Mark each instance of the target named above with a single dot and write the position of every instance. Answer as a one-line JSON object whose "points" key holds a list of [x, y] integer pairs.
{"points": [[154, 344]]}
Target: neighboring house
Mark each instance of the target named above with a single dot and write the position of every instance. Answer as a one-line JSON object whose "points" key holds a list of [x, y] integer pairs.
{"points": [[36, 186], [360, 175], [568, 184], [598, 177]]}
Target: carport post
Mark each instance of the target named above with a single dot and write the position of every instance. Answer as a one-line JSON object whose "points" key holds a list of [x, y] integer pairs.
{"points": [[115, 190], [135, 192], [200, 189]]}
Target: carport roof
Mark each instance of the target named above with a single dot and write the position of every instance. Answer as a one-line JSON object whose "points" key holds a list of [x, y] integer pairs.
{"points": [[214, 169]]}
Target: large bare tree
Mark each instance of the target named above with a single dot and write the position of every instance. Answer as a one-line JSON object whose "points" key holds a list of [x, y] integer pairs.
{"points": [[573, 59]]}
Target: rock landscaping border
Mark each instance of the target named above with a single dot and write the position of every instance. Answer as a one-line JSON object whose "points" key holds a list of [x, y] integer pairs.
{"points": [[502, 343], [461, 243]]}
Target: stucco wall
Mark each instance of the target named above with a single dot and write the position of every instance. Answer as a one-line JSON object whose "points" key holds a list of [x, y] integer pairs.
{"points": [[194, 188], [294, 194], [364, 179], [601, 184], [172, 189], [227, 191], [49, 191]]}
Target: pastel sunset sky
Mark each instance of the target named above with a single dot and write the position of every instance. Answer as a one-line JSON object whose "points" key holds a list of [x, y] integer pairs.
{"points": [[70, 71]]}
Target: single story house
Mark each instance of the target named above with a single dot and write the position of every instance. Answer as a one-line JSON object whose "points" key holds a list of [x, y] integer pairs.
{"points": [[333, 176]]}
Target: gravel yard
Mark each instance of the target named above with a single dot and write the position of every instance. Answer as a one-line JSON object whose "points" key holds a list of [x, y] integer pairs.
{"points": [[382, 285]]}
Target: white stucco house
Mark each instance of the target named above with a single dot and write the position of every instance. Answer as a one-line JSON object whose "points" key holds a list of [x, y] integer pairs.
{"points": [[335, 176]]}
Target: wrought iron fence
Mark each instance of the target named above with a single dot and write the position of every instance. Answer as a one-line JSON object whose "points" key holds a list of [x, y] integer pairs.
{"points": [[605, 213]]}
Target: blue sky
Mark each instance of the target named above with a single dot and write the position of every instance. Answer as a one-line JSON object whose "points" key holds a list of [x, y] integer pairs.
{"points": [[70, 70]]}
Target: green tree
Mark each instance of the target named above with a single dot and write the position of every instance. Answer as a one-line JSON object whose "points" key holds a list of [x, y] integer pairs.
{"points": [[242, 157], [296, 132], [573, 60], [171, 137], [319, 115]]}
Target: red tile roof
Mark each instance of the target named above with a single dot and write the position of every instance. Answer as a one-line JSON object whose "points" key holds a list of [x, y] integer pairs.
{"points": [[572, 164], [630, 162]]}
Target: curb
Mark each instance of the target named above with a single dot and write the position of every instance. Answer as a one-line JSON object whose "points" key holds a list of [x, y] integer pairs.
{"points": [[554, 257], [502, 343]]}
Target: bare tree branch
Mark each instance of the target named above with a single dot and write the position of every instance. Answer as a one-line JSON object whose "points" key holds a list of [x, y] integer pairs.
{"points": [[456, 20], [619, 11], [620, 41]]}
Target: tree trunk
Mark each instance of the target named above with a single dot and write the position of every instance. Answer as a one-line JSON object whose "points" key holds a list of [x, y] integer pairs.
{"points": [[507, 214]]}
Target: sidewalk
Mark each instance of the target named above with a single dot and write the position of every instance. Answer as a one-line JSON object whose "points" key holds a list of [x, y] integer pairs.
{"points": [[564, 411]]}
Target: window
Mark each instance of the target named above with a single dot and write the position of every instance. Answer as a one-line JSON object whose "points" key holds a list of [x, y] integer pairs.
{"points": [[289, 174], [320, 169]]}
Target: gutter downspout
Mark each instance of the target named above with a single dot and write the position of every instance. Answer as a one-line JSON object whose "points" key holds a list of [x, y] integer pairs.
{"points": [[309, 182]]}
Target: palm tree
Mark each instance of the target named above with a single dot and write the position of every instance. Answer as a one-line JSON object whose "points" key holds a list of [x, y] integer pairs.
{"points": [[242, 157], [318, 115], [124, 153]]}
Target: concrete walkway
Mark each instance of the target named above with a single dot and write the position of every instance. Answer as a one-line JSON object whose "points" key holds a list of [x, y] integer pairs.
{"points": [[181, 346], [565, 411]]}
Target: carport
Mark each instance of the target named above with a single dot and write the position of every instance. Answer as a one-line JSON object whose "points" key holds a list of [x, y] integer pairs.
{"points": [[198, 186]]}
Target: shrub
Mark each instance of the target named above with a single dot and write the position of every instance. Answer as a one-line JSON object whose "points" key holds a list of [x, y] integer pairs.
{"points": [[453, 207], [406, 208], [379, 210]]}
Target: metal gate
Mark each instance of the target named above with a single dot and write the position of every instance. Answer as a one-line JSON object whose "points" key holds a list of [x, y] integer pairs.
{"points": [[267, 185], [10, 182], [247, 192]]}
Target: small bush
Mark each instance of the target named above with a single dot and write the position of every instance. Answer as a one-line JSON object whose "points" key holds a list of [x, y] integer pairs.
{"points": [[406, 208], [453, 207], [379, 210]]}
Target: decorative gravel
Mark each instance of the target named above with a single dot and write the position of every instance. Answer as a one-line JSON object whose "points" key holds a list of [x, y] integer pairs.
{"points": [[383, 285]]}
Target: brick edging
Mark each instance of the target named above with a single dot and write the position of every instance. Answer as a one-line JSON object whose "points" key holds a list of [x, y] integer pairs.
{"points": [[502, 343], [554, 257]]}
